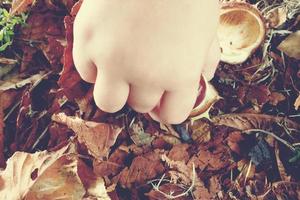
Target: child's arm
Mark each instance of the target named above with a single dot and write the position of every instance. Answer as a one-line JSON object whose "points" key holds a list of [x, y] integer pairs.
{"points": [[149, 53]]}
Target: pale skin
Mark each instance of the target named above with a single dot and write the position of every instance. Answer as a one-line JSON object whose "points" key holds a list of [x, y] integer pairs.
{"points": [[147, 53]]}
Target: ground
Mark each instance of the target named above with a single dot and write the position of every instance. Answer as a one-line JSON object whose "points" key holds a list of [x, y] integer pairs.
{"points": [[56, 144]]}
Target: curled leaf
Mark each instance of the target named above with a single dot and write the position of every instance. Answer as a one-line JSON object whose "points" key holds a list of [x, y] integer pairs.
{"points": [[247, 121]]}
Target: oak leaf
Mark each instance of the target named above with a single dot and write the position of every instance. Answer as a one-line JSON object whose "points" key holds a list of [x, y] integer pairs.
{"points": [[97, 137]]}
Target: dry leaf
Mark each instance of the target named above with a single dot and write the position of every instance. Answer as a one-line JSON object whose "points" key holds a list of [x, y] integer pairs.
{"points": [[282, 172], [233, 140], [142, 168], [63, 181], [290, 46], [247, 121], [179, 152], [60, 180], [18, 82], [17, 176], [113, 165], [277, 16], [167, 188], [275, 98], [201, 131], [297, 103], [21, 6], [50, 175], [97, 137], [138, 134], [187, 174]]}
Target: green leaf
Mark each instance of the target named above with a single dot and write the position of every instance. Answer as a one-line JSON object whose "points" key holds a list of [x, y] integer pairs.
{"points": [[4, 46], [1, 34]]}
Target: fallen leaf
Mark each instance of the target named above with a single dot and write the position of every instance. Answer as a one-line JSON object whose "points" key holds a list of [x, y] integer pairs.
{"points": [[256, 94], [233, 141], [212, 159], [142, 168], [49, 175], [201, 131], [275, 98], [260, 154], [186, 173], [297, 103], [245, 121], [17, 174], [113, 165], [286, 190], [282, 172], [167, 188], [138, 134], [18, 82], [277, 16], [21, 6], [97, 137], [290, 46], [214, 185], [179, 153]]}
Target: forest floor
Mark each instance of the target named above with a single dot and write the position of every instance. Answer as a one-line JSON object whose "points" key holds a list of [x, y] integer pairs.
{"points": [[56, 144]]}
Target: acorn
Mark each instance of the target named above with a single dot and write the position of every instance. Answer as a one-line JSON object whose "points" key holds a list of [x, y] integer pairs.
{"points": [[241, 31]]}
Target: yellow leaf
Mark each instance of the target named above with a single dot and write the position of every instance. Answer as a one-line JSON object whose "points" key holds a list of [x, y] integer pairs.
{"points": [[297, 103]]}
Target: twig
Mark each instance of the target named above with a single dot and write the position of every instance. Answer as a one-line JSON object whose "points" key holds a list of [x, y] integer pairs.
{"points": [[170, 195], [290, 146]]}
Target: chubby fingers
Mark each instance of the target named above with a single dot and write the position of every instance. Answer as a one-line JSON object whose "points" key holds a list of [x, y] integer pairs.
{"points": [[110, 92], [143, 99], [175, 106]]}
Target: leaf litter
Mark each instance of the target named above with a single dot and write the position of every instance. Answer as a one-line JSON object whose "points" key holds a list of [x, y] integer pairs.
{"points": [[56, 144]]}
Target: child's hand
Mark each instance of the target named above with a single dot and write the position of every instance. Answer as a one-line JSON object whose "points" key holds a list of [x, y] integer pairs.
{"points": [[148, 53]]}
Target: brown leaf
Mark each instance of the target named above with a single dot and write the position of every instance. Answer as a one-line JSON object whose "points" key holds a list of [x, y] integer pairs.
{"points": [[17, 175], [113, 165], [201, 131], [187, 175], [290, 46], [233, 140], [21, 6], [167, 188], [138, 134], [255, 94], [48, 176], [69, 80], [179, 152], [211, 160], [282, 172], [245, 121], [6, 99], [277, 16], [297, 103], [97, 137], [276, 97], [214, 185], [142, 168]]}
